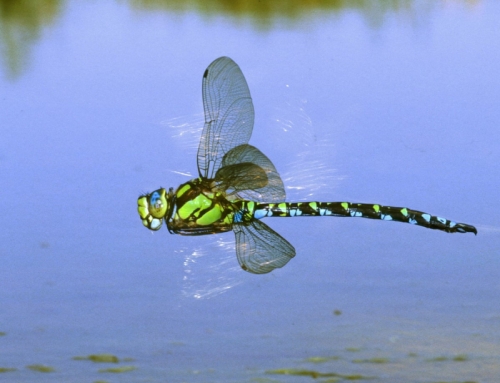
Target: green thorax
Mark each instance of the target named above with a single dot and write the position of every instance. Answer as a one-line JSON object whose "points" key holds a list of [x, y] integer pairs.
{"points": [[200, 209]]}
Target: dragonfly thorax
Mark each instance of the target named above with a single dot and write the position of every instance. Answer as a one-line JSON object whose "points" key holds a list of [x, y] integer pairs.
{"points": [[200, 208]]}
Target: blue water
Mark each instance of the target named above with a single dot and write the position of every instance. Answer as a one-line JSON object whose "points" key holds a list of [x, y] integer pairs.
{"points": [[397, 106]]}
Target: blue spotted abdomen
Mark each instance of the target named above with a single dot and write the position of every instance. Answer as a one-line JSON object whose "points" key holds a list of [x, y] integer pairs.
{"points": [[256, 210]]}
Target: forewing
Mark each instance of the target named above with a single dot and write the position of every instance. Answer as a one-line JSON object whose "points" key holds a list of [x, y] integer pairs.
{"points": [[246, 173], [229, 114], [260, 249]]}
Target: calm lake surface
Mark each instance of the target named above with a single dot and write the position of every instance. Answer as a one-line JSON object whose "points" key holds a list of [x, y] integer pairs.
{"points": [[394, 103]]}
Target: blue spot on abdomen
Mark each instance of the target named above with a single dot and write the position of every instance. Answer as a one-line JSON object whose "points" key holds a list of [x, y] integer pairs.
{"points": [[238, 217]]}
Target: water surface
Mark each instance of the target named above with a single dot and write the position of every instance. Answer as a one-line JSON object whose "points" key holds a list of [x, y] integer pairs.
{"points": [[391, 104]]}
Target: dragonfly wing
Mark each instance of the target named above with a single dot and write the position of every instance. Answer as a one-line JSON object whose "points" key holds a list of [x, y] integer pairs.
{"points": [[246, 173], [260, 249], [229, 114]]}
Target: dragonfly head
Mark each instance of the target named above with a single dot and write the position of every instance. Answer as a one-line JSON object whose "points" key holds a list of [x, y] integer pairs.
{"points": [[152, 208]]}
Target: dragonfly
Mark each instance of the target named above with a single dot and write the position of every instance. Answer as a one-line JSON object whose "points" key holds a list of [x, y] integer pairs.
{"points": [[238, 186]]}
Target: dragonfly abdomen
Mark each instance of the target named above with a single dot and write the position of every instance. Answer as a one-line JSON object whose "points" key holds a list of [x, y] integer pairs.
{"points": [[363, 210]]}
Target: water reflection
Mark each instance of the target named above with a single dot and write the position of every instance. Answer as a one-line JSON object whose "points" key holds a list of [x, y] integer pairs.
{"points": [[264, 13], [22, 22]]}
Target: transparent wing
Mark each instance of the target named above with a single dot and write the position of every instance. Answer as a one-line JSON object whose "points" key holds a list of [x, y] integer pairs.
{"points": [[260, 249], [246, 173], [229, 114]]}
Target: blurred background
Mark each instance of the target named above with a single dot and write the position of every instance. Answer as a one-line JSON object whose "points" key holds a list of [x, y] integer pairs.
{"points": [[390, 102]]}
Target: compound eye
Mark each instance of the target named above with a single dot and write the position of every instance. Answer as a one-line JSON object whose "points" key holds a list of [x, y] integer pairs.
{"points": [[158, 203]]}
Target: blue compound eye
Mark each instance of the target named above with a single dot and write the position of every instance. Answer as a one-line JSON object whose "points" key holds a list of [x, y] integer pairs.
{"points": [[156, 200], [158, 203]]}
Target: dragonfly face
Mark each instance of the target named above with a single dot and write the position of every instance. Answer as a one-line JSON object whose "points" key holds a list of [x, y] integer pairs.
{"points": [[152, 208]]}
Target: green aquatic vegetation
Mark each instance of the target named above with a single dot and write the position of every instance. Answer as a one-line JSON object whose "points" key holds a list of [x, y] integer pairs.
{"points": [[99, 358], [40, 368], [118, 370], [317, 359], [356, 377], [7, 369], [372, 360], [2, 333], [353, 349], [467, 381], [317, 374], [437, 359], [321, 359], [456, 358], [298, 372]]}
